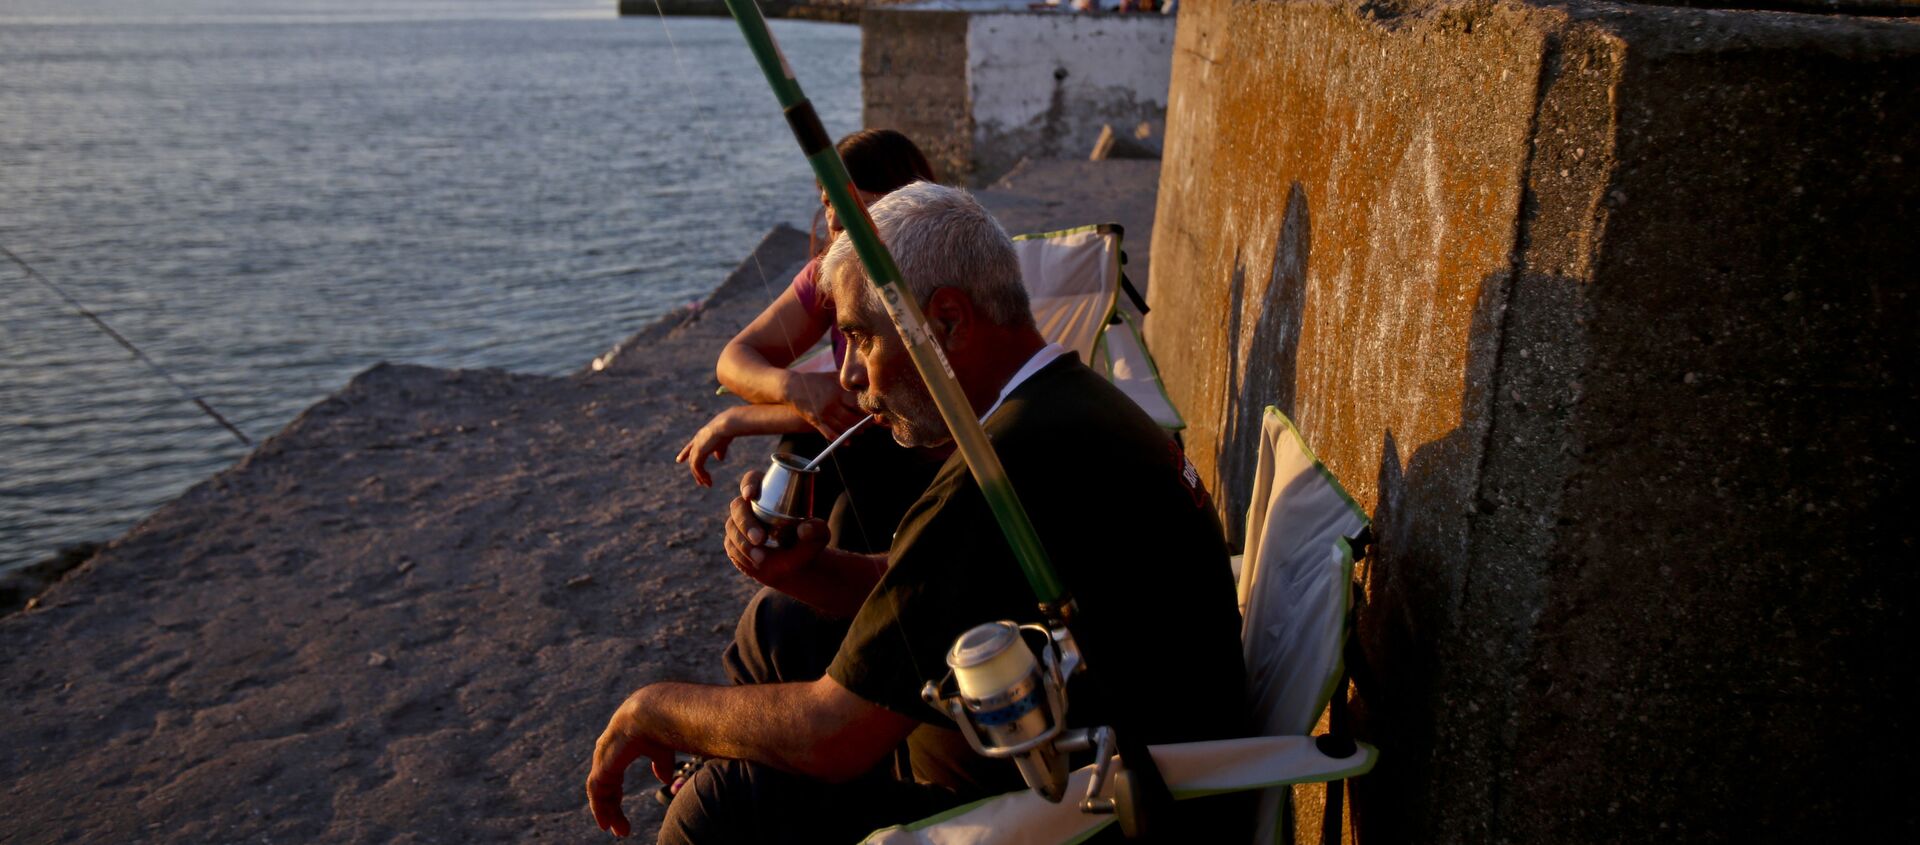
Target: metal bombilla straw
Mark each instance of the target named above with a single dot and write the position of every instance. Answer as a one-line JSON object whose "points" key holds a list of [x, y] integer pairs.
{"points": [[815, 463], [969, 437]]}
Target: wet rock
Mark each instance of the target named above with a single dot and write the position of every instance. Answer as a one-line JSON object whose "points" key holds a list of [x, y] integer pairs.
{"points": [[21, 588]]}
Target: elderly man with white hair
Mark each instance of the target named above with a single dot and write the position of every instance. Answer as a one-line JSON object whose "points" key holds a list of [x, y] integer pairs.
{"points": [[830, 657]]}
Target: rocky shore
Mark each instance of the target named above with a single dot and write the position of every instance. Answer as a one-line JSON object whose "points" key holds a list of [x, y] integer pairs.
{"points": [[406, 616]]}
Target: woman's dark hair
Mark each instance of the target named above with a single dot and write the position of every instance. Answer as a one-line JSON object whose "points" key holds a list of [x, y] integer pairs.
{"points": [[882, 161]]}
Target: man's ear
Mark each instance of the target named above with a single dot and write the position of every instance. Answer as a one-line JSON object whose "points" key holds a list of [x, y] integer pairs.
{"points": [[950, 317]]}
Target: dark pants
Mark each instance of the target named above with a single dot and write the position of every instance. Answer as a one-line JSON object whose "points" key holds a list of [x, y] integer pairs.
{"points": [[781, 640]]}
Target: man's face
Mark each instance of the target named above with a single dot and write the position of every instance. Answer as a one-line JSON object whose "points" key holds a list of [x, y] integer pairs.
{"points": [[879, 369]]}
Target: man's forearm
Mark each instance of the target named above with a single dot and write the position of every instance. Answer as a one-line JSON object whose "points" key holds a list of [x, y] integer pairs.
{"points": [[743, 722], [836, 583], [776, 724]]}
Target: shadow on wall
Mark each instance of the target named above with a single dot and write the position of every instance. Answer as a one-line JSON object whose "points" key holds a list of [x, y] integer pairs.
{"points": [[1443, 630], [1276, 342], [1395, 700], [1438, 666]]}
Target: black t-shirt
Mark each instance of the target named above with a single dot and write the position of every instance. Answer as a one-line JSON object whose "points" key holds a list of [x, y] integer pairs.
{"points": [[1130, 531]]}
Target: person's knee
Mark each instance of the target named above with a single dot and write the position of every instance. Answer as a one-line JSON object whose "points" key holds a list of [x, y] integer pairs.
{"points": [[736, 801], [780, 639], [749, 658], [710, 806]]}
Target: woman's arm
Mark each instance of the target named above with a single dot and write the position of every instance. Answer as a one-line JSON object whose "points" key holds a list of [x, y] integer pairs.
{"points": [[754, 366]]}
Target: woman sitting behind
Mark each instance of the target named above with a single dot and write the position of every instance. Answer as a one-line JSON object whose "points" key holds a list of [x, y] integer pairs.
{"points": [[754, 366]]}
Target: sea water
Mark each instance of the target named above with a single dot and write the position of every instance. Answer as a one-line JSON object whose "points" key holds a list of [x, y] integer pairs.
{"points": [[269, 196]]}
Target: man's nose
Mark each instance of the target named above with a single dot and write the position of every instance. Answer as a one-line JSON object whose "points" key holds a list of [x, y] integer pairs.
{"points": [[853, 373]]}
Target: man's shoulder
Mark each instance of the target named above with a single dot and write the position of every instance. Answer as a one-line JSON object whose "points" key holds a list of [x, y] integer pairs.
{"points": [[1069, 394], [1069, 413], [1075, 424]]}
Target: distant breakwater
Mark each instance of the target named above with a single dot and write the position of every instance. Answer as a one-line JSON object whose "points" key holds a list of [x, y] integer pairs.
{"points": [[842, 11]]}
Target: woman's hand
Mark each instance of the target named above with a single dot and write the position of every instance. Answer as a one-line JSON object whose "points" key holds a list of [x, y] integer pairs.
{"points": [[819, 398], [710, 441]]}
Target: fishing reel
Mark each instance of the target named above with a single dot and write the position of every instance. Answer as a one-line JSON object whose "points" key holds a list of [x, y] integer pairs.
{"points": [[1011, 706]]}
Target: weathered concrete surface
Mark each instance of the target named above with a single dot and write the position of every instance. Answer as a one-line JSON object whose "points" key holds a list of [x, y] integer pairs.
{"points": [[983, 90], [1607, 313], [913, 78], [1854, 7]]}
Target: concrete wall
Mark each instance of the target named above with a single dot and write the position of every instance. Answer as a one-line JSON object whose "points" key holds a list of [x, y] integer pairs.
{"points": [[913, 77], [987, 89], [1607, 312]]}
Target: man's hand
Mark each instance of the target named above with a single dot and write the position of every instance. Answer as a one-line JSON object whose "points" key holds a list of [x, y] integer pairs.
{"points": [[618, 747], [814, 728], [819, 398], [746, 536]]}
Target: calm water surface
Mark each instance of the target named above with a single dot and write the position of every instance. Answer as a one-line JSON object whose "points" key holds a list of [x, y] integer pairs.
{"points": [[272, 195]]}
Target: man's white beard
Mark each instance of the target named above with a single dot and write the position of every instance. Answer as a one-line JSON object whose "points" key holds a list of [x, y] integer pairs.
{"points": [[917, 423]]}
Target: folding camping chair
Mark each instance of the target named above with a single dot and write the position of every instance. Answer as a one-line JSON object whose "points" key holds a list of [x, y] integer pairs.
{"points": [[1074, 278], [1296, 589]]}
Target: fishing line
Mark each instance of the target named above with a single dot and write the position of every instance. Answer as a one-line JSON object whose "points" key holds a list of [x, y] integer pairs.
{"points": [[686, 86], [123, 341], [766, 285], [766, 288]]}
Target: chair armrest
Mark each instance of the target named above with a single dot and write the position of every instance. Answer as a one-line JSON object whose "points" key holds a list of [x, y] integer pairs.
{"points": [[1192, 770]]}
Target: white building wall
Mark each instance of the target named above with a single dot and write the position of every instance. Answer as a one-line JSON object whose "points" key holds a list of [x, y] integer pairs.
{"points": [[1042, 84]]}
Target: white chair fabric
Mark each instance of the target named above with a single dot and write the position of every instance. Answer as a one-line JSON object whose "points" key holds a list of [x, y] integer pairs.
{"points": [[1073, 279], [1295, 592], [1122, 357]]}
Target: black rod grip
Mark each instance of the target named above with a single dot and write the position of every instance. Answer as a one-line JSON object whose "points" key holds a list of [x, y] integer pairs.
{"points": [[806, 127]]}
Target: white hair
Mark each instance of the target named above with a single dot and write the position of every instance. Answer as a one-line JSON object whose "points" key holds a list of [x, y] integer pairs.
{"points": [[939, 237]]}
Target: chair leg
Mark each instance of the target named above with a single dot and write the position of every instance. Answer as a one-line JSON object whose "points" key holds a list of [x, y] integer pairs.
{"points": [[1331, 824], [1336, 742]]}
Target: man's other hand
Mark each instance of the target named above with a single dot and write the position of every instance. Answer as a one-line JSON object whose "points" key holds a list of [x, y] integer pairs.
{"points": [[747, 537], [618, 747]]}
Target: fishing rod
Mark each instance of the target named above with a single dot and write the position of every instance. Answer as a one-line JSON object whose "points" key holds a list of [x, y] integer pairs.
{"points": [[1139, 787], [123, 341]]}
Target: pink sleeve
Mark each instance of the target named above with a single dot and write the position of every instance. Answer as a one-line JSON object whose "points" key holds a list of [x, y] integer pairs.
{"points": [[806, 289]]}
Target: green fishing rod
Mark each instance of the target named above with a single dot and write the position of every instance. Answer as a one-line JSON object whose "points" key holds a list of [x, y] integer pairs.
{"points": [[1140, 780]]}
